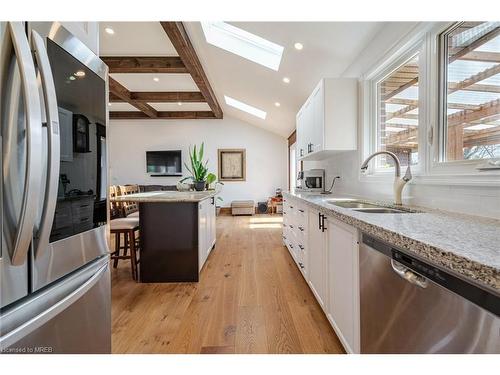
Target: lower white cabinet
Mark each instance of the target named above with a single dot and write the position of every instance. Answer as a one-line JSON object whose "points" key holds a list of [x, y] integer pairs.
{"points": [[317, 265], [343, 282], [329, 262], [206, 229]]}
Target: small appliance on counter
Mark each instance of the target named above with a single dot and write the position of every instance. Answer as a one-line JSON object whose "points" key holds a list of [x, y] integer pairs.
{"points": [[312, 180]]}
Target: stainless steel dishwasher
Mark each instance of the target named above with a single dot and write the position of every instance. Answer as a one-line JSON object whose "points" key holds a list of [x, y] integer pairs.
{"points": [[410, 306]]}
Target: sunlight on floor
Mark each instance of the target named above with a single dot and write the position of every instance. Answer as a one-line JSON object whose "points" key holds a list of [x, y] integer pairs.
{"points": [[267, 222], [264, 226], [274, 219]]}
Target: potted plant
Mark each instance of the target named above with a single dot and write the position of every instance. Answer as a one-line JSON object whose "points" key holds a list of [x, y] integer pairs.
{"points": [[198, 170]]}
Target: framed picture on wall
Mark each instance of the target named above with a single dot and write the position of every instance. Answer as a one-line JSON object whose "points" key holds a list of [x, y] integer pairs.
{"points": [[232, 164]]}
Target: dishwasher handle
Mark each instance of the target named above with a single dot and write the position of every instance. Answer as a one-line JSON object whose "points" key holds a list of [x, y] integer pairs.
{"points": [[408, 275]]}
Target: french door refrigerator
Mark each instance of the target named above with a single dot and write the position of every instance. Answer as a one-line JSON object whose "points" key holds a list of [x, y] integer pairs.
{"points": [[54, 272]]}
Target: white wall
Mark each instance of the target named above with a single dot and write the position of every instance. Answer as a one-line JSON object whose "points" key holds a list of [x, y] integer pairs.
{"points": [[475, 200], [266, 152]]}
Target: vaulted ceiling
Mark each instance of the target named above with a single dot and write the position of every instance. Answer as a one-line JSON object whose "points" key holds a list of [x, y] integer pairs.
{"points": [[328, 50]]}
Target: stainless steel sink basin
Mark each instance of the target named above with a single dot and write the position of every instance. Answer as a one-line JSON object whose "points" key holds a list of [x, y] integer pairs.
{"points": [[353, 204], [382, 210]]}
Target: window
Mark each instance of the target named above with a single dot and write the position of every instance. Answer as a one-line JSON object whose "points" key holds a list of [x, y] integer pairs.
{"points": [[397, 114], [470, 91], [243, 43], [245, 107]]}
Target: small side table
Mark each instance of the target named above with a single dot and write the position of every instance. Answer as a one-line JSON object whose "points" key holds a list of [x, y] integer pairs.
{"points": [[276, 204]]}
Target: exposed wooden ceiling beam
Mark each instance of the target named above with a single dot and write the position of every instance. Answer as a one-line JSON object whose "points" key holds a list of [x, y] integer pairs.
{"points": [[180, 40], [415, 103], [482, 88], [167, 115], [163, 97], [121, 92], [477, 43], [144, 64]]}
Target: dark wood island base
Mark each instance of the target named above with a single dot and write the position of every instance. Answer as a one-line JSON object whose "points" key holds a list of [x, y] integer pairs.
{"points": [[177, 233]]}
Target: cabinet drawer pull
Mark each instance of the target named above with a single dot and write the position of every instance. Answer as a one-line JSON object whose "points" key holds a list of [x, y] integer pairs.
{"points": [[301, 210], [301, 229], [291, 206], [301, 247], [301, 265], [291, 226], [291, 246]]}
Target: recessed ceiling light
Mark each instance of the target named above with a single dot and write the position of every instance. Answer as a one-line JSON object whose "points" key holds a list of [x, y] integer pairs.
{"points": [[179, 103], [109, 30], [286, 79], [277, 104], [242, 43], [245, 107], [298, 46], [79, 73], [156, 79]]}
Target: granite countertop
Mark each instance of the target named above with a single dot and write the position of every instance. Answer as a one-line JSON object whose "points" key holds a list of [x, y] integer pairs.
{"points": [[467, 245], [167, 196]]}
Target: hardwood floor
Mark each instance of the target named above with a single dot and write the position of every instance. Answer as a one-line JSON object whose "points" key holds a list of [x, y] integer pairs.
{"points": [[251, 299]]}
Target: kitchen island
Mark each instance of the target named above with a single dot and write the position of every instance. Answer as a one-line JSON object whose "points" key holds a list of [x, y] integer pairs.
{"points": [[177, 233]]}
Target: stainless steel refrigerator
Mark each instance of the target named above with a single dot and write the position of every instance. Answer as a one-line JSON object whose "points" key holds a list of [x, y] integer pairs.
{"points": [[54, 272]]}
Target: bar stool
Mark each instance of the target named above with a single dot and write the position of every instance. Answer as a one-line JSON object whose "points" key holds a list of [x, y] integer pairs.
{"points": [[128, 226]]}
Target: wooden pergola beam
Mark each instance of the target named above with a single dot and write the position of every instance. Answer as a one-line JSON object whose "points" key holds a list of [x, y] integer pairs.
{"points": [[401, 88], [477, 43], [144, 64], [482, 56], [472, 80], [121, 92], [485, 111], [182, 44], [166, 115], [162, 97]]}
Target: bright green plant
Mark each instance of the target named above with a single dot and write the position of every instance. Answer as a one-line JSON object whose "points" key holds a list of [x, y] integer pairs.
{"points": [[198, 170], [211, 178]]}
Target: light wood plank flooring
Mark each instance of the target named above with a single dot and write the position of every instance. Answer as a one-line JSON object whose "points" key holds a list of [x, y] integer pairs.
{"points": [[251, 299]]}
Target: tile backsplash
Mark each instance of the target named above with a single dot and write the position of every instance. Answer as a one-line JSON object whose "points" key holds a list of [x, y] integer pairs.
{"points": [[473, 200]]}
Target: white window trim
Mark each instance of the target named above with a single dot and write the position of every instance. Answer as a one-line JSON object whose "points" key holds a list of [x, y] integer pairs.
{"points": [[430, 170]]}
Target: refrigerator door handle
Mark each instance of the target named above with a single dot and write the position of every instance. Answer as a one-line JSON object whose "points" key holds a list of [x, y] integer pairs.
{"points": [[36, 322], [53, 145], [26, 222]]}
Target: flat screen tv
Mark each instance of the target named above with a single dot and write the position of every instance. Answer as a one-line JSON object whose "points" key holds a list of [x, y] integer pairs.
{"points": [[164, 163]]}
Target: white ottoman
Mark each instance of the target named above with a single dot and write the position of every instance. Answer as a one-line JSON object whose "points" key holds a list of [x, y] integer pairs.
{"points": [[242, 208]]}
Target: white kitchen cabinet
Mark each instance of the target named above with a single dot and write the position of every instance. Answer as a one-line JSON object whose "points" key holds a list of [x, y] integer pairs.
{"points": [[206, 229], [317, 262], [327, 122], [343, 284], [295, 232]]}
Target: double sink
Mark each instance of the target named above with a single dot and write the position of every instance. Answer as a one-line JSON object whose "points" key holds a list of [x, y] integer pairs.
{"points": [[361, 206]]}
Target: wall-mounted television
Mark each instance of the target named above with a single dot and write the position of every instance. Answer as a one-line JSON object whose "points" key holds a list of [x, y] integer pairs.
{"points": [[164, 163]]}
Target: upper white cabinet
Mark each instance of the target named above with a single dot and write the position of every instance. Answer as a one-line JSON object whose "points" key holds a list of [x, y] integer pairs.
{"points": [[327, 122]]}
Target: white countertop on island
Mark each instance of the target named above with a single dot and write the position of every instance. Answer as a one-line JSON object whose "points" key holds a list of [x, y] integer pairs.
{"points": [[167, 196]]}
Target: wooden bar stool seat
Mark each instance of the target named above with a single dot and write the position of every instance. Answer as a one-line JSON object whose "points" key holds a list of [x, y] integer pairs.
{"points": [[128, 226]]}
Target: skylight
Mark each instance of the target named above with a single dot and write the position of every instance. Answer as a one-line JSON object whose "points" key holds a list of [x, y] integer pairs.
{"points": [[243, 43], [245, 107]]}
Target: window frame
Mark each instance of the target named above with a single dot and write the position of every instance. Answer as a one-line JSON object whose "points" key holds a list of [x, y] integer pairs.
{"points": [[401, 54], [439, 165], [431, 169]]}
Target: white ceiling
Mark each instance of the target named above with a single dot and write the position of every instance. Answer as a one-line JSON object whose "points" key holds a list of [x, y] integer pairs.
{"points": [[329, 48]]}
